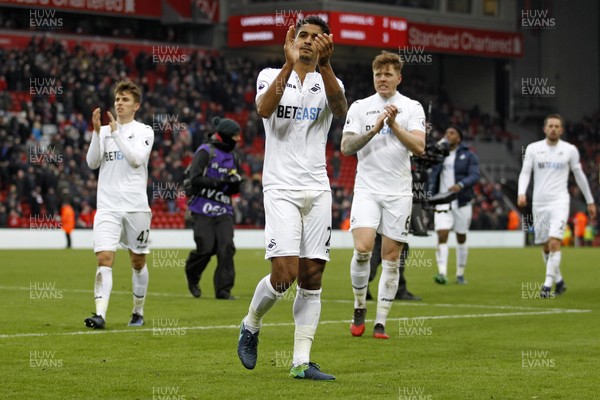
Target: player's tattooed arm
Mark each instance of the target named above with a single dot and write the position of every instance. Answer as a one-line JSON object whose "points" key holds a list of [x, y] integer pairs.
{"points": [[337, 103], [336, 100], [335, 95], [352, 142]]}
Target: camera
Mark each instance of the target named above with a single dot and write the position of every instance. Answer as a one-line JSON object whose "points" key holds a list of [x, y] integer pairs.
{"points": [[435, 153]]}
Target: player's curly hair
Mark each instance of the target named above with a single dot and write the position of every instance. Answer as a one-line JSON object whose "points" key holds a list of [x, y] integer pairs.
{"points": [[128, 86], [386, 58], [313, 20]]}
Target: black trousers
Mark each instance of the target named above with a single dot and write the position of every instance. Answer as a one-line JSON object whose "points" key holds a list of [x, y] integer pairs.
{"points": [[213, 236], [376, 260]]}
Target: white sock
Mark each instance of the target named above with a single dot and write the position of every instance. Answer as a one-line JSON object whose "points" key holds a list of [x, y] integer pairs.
{"points": [[139, 280], [262, 301], [307, 310], [388, 285], [556, 258], [441, 256], [551, 266], [462, 251], [545, 257], [359, 275], [102, 289]]}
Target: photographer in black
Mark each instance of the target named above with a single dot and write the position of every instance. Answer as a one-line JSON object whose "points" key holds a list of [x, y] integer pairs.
{"points": [[435, 153], [210, 181]]}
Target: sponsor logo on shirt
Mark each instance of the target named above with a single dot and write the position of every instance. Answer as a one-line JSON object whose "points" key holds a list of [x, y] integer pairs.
{"points": [[213, 194], [373, 112], [113, 155], [551, 165], [298, 113], [386, 130]]}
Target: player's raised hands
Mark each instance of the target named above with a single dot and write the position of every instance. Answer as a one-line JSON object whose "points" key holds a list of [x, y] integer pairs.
{"points": [[96, 120], [289, 48], [112, 122], [391, 112], [378, 126], [324, 45]]}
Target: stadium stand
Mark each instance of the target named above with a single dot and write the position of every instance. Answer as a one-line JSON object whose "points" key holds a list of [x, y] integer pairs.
{"points": [[44, 138]]}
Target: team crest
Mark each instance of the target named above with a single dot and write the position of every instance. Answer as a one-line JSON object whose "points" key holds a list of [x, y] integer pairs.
{"points": [[315, 89]]}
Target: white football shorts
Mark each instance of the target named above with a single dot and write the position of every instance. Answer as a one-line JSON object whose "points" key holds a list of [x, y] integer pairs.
{"points": [[457, 219], [131, 229], [549, 220], [389, 215], [297, 223]]}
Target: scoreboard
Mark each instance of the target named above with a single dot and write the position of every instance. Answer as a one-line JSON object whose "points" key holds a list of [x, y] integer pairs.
{"points": [[347, 28]]}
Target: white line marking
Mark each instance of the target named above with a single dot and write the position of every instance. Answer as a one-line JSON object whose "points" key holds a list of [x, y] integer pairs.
{"points": [[202, 328], [91, 291], [288, 298]]}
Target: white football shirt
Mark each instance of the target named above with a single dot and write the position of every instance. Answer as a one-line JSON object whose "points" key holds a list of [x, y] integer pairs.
{"points": [[551, 166], [384, 163], [296, 133], [447, 180], [123, 161]]}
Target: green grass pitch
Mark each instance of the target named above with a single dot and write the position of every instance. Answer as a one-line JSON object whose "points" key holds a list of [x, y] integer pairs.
{"points": [[490, 339]]}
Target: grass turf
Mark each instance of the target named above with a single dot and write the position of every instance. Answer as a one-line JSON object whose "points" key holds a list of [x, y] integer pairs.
{"points": [[490, 339]]}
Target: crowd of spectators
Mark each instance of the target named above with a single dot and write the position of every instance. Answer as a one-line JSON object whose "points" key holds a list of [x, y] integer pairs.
{"points": [[65, 21], [44, 138]]}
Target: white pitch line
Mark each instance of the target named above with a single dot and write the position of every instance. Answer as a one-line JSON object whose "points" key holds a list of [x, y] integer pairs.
{"points": [[91, 291], [431, 317], [401, 304]]}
